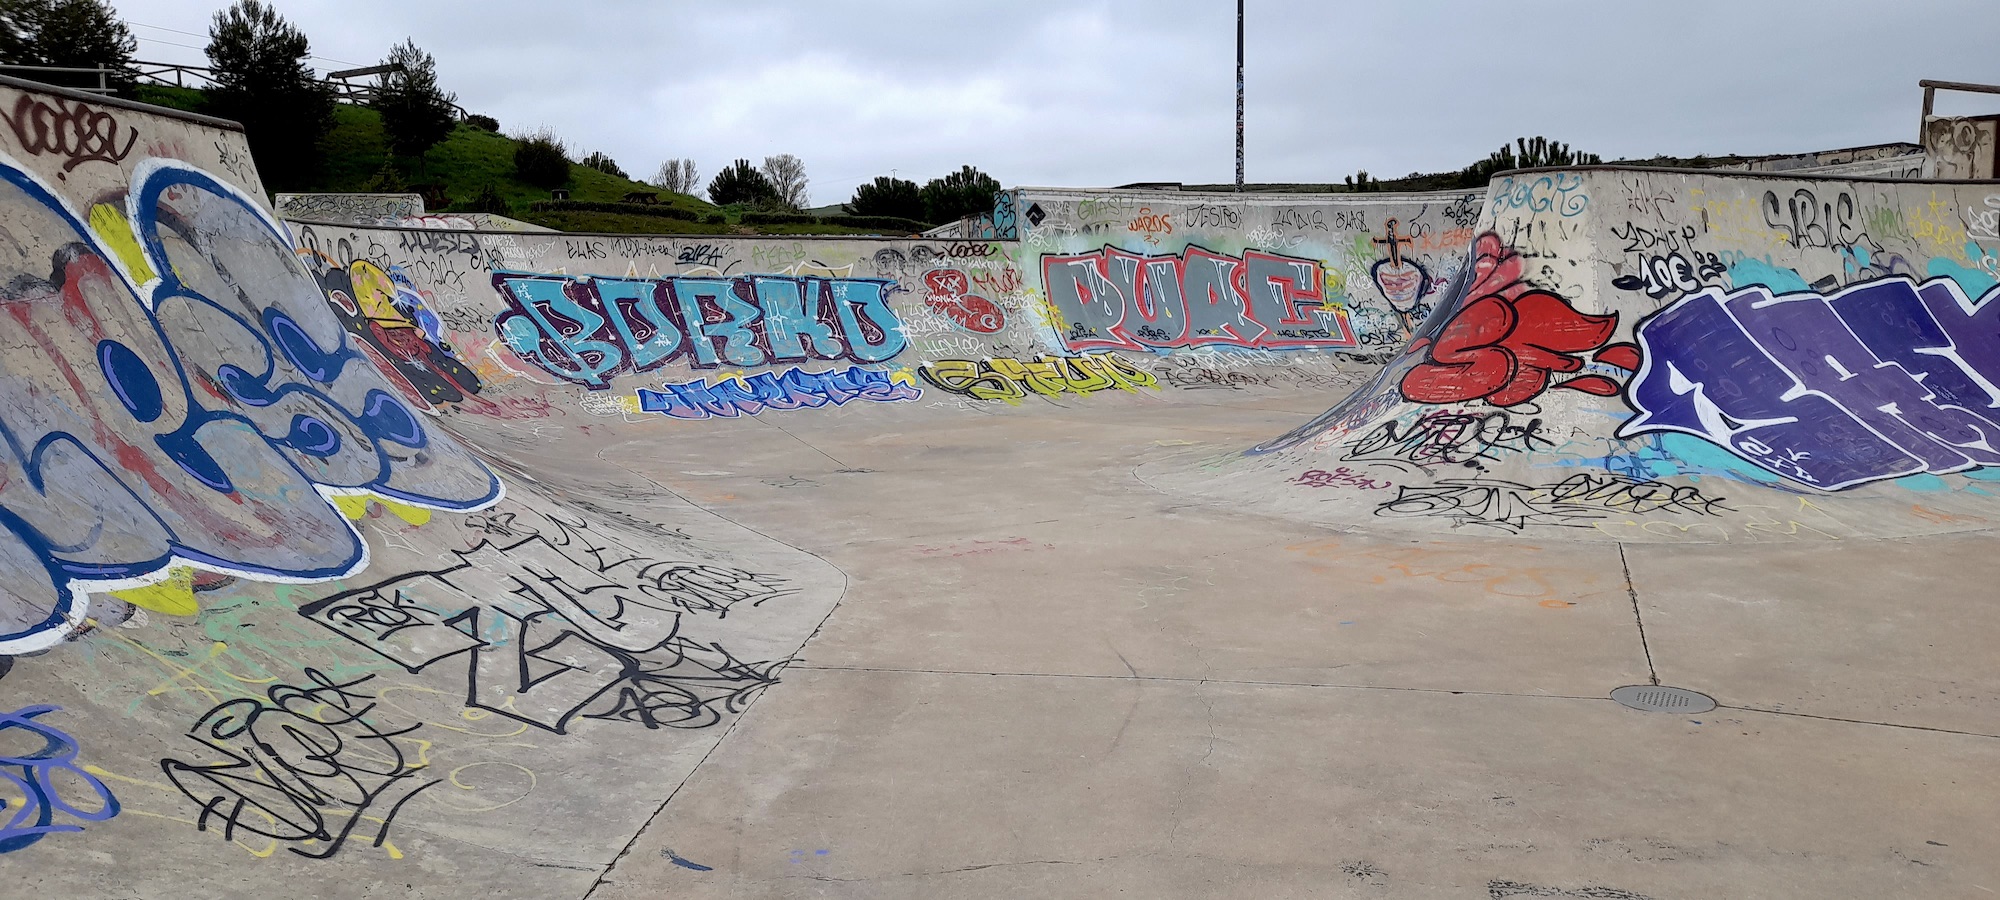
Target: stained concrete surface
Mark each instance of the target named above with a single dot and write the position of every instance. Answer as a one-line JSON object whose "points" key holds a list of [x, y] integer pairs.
{"points": [[1047, 679]]}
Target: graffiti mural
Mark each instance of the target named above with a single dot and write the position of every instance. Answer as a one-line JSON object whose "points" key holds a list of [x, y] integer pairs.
{"points": [[794, 389], [37, 762], [583, 329], [1403, 282], [1879, 380], [546, 625], [1502, 340], [394, 326], [1006, 379], [945, 292], [178, 395], [1112, 299], [1447, 438]]}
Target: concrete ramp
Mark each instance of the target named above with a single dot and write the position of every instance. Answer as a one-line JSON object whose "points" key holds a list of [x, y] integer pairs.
{"points": [[256, 604], [337, 548], [355, 561], [1649, 355]]}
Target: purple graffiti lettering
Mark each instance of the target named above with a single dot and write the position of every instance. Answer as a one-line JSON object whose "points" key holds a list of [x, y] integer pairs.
{"points": [[1881, 380]]}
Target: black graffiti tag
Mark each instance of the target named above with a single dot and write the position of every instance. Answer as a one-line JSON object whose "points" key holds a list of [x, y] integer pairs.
{"points": [[307, 765], [1447, 438], [67, 128]]}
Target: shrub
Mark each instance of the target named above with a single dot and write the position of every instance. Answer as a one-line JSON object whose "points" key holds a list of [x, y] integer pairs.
{"points": [[483, 123], [386, 180], [636, 209], [488, 200], [541, 159], [602, 162]]}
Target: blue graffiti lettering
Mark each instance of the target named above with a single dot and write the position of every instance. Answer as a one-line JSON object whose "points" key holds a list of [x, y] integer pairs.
{"points": [[178, 415], [588, 329], [30, 771], [795, 389]]}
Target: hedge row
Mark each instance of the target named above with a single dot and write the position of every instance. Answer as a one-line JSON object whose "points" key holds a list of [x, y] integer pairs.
{"points": [[637, 209], [885, 223]]}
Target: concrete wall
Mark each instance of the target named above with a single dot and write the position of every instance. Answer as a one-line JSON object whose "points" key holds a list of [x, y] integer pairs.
{"points": [[1379, 259], [1124, 292], [1666, 355]]}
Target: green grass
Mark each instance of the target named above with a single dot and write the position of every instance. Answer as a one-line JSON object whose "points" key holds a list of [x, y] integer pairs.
{"points": [[166, 95], [465, 163]]}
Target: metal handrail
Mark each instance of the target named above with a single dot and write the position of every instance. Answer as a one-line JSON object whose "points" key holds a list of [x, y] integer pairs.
{"points": [[103, 74], [1931, 88], [155, 72]]}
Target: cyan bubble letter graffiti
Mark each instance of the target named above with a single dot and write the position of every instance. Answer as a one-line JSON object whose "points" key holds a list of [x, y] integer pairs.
{"points": [[585, 330]]}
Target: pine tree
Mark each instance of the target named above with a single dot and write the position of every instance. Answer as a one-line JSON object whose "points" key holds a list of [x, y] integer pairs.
{"points": [[966, 192], [1536, 152], [602, 162], [416, 113], [742, 183], [262, 81], [886, 196]]}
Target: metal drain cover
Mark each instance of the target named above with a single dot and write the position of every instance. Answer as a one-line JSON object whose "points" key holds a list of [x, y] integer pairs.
{"points": [[1654, 698]]}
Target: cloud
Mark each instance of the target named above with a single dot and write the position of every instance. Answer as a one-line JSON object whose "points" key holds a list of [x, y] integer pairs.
{"points": [[1116, 91]]}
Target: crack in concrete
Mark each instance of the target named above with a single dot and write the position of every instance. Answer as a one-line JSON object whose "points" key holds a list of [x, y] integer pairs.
{"points": [[1632, 590], [960, 869]]}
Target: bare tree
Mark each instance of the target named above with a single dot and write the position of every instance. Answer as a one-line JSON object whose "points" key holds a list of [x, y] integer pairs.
{"points": [[788, 174], [677, 175]]}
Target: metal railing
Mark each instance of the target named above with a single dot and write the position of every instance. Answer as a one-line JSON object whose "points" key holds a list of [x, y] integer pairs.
{"points": [[180, 75], [103, 75]]}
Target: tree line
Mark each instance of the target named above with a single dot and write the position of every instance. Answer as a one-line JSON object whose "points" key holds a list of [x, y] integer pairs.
{"points": [[259, 63], [781, 182]]}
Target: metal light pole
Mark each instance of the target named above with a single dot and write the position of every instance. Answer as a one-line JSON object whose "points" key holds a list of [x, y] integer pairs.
{"points": [[1239, 95]]}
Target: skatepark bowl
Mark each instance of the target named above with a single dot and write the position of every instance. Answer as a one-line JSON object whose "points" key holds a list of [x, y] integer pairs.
{"points": [[1138, 543]]}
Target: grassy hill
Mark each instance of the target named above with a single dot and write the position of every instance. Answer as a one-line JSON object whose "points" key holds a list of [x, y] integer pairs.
{"points": [[357, 155]]}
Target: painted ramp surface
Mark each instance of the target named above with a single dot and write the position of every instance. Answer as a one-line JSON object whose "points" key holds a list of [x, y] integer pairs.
{"points": [[1642, 355], [346, 552], [406, 560], [259, 603]]}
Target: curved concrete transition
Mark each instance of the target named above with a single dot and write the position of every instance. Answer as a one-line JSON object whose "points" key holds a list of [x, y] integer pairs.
{"points": [[341, 559], [1649, 355]]}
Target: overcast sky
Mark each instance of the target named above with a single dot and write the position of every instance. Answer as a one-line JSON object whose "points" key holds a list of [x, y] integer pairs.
{"points": [[1106, 92]]}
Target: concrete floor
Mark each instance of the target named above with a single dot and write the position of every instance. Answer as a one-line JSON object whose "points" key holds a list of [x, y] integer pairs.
{"points": [[1046, 679]]}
